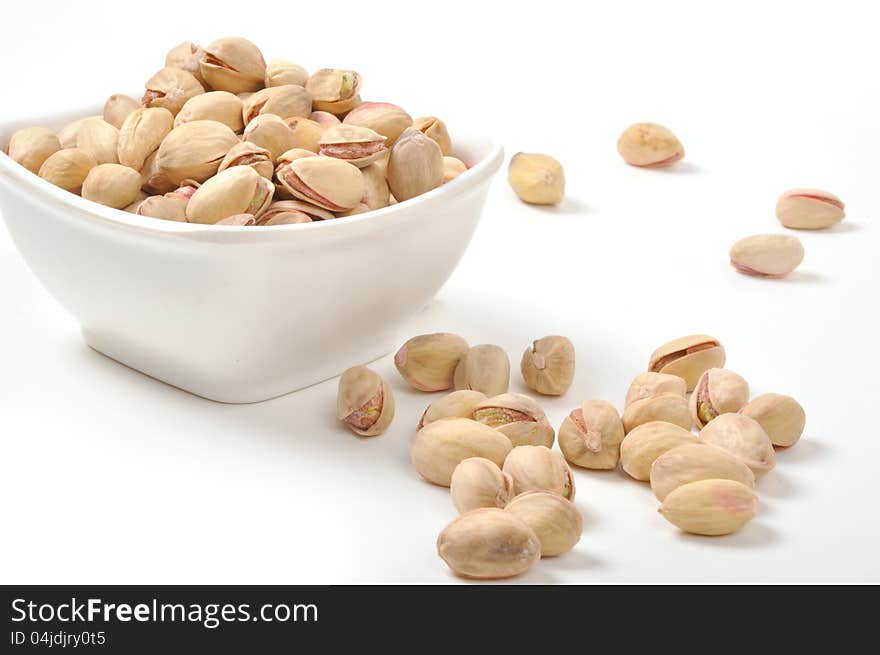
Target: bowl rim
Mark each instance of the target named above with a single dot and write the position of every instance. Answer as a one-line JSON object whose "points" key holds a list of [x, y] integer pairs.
{"points": [[47, 193]]}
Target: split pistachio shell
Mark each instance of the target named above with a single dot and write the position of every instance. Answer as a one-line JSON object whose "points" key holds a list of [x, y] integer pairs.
{"points": [[478, 482], [195, 150], [281, 164], [272, 133], [67, 135], [538, 467], [488, 543], [187, 56], [458, 404], [649, 145], [767, 255], [360, 146], [237, 190], [548, 365], [250, 154], [100, 139], [518, 417], [324, 118], [688, 357], [285, 218], [68, 168], [452, 168], [664, 406], [376, 191], [782, 417], [141, 135], [239, 220], [415, 165], [171, 88], [427, 362], [364, 402], [744, 437], [591, 435], [696, 461], [537, 179], [233, 64], [646, 443], [718, 391], [710, 507], [809, 209], [169, 208], [289, 206], [220, 106], [118, 107], [306, 133], [556, 521], [442, 445], [382, 117], [113, 185], [283, 101], [280, 72], [32, 146], [647, 384], [484, 368], [435, 129], [154, 180], [334, 90], [323, 181]]}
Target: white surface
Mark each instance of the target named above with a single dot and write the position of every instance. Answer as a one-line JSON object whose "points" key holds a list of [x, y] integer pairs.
{"points": [[108, 476]]}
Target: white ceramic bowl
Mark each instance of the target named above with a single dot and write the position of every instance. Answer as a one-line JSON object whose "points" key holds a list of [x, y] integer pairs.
{"points": [[242, 314]]}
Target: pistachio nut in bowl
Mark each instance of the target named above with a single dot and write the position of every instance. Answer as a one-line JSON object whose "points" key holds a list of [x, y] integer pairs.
{"points": [[239, 313]]}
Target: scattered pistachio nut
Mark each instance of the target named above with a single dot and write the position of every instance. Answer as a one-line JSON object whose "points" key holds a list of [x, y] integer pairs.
{"points": [[646, 443], [696, 461], [809, 209], [744, 437], [458, 404], [538, 467], [170, 88], [220, 106], [556, 521], [647, 384], [187, 56], [100, 139], [518, 417], [590, 435], [782, 417], [767, 255], [688, 357], [452, 168], [537, 179], [272, 133], [484, 368], [427, 362], [415, 165], [280, 72], [334, 90], [649, 145], [442, 445], [382, 117], [237, 190], [365, 403], [718, 391], [141, 134], [118, 107], [479, 482], [488, 543], [710, 507], [664, 406], [233, 64], [113, 185], [250, 154], [435, 129], [548, 365], [286, 101], [68, 168], [323, 181], [195, 150]]}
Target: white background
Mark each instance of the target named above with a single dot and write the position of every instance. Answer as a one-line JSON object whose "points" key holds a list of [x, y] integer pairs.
{"points": [[110, 477]]}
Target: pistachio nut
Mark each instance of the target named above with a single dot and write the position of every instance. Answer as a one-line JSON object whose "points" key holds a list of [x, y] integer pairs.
{"points": [[132, 207], [284, 101], [113, 185], [452, 168], [435, 129], [186, 190], [364, 402], [646, 443], [171, 88], [442, 445], [154, 180], [767, 255], [538, 467], [118, 107], [170, 208], [220, 106], [548, 365], [809, 209], [68, 168], [280, 72], [100, 139], [590, 436], [744, 437], [718, 391], [67, 135], [479, 482], [323, 181], [281, 163], [187, 56], [537, 179], [238, 220], [141, 134], [688, 357], [484, 368], [233, 64], [195, 150], [382, 117], [710, 507], [272, 133], [237, 190], [647, 384], [488, 543], [250, 154], [376, 191], [556, 521], [782, 417], [360, 208], [649, 145], [427, 362], [334, 90], [324, 118], [414, 166], [294, 208], [696, 461], [458, 404], [306, 133], [360, 146], [32, 146], [518, 417], [663, 406]]}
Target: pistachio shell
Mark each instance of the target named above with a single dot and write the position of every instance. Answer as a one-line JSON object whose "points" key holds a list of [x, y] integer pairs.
{"points": [[718, 391], [556, 521], [272, 133], [664, 406], [435, 129], [518, 417], [452, 168], [195, 150], [100, 139], [415, 165], [233, 64], [67, 135], [284, 101], [220, 106], [32, 146], [324, 118], [299, 207], [710, 507], [538, 467], [376, 191], [696, 461], [286, 218], [547, 366], [767, 255], [382, 117], [364, 402], [141, 134], [249, 154], [458, 404], [323, 181], [649, 145], [591, 435], [171, 88], [537, 179], [809, 209], [646, 443], [744, 437], [306, 133], [132, 207], [649, 383], [442, 445], [118, 107], [280, 72], [237, 190], [478, 482], [68, 168], [688, 357], [782, 417], [113, 185], [360, 146], [484, 368], [169, 208], [153, 179], [238, 220], [334, 90], [427, 362], [187, 56]]}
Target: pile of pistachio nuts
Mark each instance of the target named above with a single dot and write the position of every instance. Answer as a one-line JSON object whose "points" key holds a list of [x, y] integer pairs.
{"points": [[221, 137], [702, 453]]}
